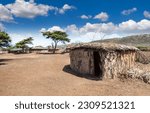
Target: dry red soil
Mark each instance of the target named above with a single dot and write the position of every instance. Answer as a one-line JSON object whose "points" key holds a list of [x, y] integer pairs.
{"points": [[39, 74]]}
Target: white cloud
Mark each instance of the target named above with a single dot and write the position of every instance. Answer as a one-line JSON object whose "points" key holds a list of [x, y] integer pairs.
{"points": [[5, 14], [89, 31], [52, 29], [132, 26], [98, 27], [85, 16], [103, 16], [28, 9], [1, 27], [55, 28], [144, 25], [31, 1], [97, 31], [65, 8], [147, 14], [128, 25], [129, 11], [72, 30], [43, 30]]}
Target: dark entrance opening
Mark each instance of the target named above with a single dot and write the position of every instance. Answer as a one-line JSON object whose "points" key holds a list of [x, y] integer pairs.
{"points": [[97, 68]]}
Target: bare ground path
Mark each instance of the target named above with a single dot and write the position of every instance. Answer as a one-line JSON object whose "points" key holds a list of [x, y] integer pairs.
{"points": [[33, 74]]}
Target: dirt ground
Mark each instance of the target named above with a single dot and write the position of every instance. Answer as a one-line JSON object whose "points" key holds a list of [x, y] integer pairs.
{"points": [[48, 74]]}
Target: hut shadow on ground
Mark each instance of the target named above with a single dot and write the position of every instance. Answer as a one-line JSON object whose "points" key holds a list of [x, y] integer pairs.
{"points": [[4, 61], [68, 69]]}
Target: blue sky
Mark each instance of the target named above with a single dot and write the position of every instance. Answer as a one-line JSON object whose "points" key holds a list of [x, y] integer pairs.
{"points": [[83, 20]]}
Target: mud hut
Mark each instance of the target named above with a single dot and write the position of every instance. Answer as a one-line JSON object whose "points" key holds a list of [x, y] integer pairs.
{"points": [[38, 49], [102, 60]]}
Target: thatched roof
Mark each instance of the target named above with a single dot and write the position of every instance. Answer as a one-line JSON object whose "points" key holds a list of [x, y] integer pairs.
{"points": [[16, 49], [105, 47], [39, 47]]}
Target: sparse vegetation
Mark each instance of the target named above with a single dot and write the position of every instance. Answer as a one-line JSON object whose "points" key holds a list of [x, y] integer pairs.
{"points": [[56, 36], [24, 43], [4, 39]]}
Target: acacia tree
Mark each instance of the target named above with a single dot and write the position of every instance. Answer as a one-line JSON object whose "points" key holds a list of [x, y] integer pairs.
{"points": [[4, 39], [23, 43], [56, 36]]}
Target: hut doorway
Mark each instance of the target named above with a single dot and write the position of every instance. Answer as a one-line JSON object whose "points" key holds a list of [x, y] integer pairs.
{"points": [[97, 63]]}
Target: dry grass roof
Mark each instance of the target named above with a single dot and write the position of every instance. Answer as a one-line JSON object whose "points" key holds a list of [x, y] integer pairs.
{"points": [[105, 46]]}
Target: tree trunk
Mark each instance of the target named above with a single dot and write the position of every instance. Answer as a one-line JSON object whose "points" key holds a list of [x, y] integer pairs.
{"points": [[48, 48], [55, 46], [23, 50]]}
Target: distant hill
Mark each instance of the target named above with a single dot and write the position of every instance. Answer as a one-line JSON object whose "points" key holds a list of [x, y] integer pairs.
{"points": [[135, 40]]}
